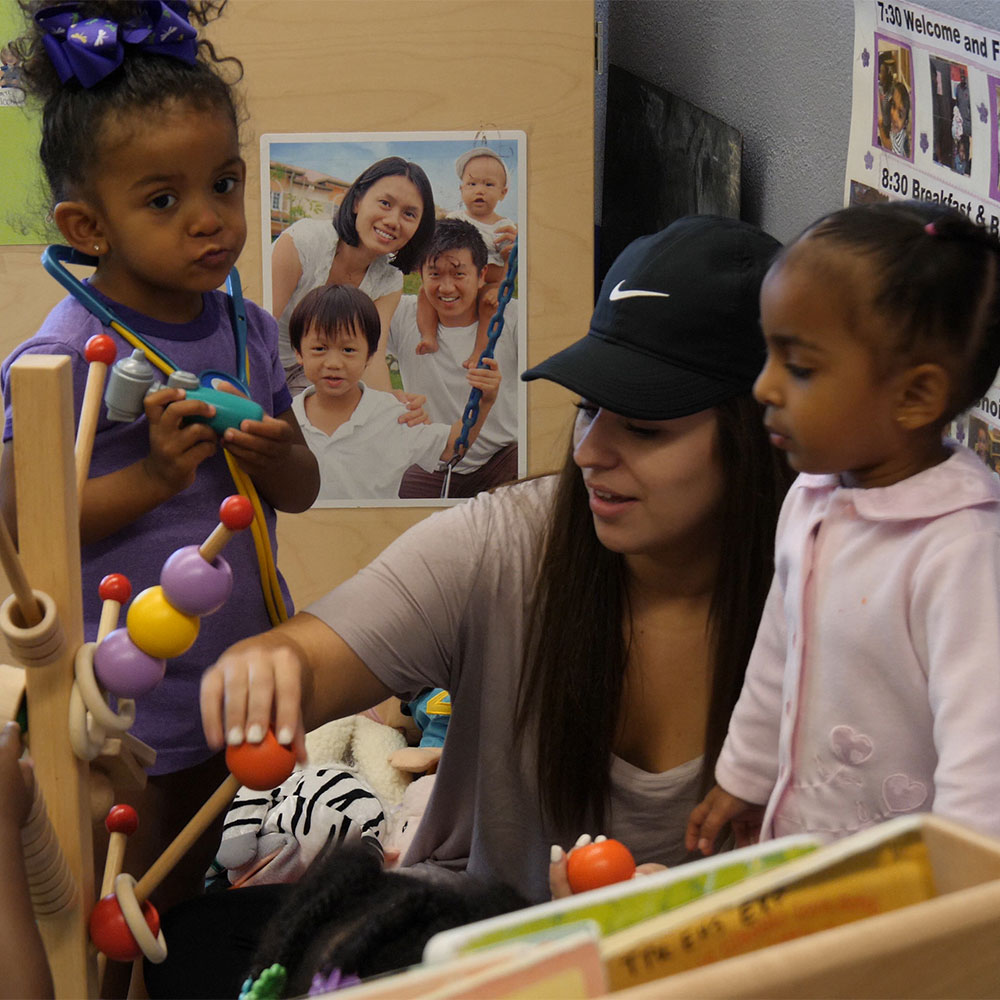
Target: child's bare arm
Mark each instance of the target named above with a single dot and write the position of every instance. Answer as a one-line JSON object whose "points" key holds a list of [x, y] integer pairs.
{"points": [[487, 380], [275, 455], [22, 955]]}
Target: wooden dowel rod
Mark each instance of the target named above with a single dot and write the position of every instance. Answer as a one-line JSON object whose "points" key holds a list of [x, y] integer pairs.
{"points": [[89, 412], [31, 611], [215, 542], [183, 842]]}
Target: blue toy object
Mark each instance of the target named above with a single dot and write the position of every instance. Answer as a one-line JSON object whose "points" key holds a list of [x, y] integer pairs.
{"points": [[431, 710]]}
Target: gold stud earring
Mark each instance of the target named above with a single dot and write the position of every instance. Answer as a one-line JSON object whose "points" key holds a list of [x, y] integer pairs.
{"points": [[97, 247]]}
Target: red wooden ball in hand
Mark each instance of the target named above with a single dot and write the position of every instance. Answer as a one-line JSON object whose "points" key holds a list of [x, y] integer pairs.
{"points": [[260, 766], [600, 863]]}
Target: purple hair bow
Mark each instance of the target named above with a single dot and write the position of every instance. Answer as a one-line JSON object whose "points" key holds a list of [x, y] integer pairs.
{"points": [[88, 50]]}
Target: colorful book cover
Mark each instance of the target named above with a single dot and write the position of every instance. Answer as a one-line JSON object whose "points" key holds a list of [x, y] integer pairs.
{"points": [[616, 907], [833, 886]]}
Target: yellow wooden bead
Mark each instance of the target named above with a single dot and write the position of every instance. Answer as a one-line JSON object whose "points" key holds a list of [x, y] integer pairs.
{"points": [[157, 627]]}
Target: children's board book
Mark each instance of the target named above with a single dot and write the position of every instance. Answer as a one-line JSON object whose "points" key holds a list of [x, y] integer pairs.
{"points": [[871, 872], [615, 907]]}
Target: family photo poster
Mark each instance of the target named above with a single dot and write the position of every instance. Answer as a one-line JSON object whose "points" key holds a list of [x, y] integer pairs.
{"points": [[306, 176]]}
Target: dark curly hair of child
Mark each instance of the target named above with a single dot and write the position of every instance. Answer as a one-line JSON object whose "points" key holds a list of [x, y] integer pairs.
{"points": [[346, 915]]}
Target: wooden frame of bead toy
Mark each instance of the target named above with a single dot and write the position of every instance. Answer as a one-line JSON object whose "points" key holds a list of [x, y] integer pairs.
{"points": [[66, 682]]}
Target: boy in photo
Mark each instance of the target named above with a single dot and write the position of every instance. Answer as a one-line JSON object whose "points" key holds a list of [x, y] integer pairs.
{"points": [[353, 430], [452, 271]]}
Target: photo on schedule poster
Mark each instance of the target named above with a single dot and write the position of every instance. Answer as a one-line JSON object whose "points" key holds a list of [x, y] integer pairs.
{"points": [[393, 264]]}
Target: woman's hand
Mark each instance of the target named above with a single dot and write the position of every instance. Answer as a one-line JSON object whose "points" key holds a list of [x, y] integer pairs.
{"points": [[415, 412], [267, 679], [559, 866], [716, 810], [255, 683]]}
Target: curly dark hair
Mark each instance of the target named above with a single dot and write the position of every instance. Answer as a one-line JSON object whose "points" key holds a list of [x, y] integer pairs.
{"points": [[348, 913], [73, 115]]}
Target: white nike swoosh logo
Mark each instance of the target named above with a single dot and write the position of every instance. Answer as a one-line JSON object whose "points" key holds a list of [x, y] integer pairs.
{"points": [[634, 293]]}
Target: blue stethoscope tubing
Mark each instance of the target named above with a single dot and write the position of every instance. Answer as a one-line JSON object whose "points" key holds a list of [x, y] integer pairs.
{"points": [[54, 258]]}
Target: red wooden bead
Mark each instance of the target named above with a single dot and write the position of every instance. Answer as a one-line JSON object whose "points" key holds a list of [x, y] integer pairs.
{"points": [[261, 766], [110, 933], [101, 348], [600, 863], [115, 587], [122, 819], [236, 512]]}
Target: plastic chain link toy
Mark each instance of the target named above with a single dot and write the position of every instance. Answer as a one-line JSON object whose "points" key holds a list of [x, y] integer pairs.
{"points": [[471, 413]]}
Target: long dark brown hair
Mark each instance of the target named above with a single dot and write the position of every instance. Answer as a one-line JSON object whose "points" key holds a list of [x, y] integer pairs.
{"points": [[576, 648]]}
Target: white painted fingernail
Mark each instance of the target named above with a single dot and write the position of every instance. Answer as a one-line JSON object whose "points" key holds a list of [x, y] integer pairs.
{"points": [[555, 854], [235, 736], [582, 840], [599, 838], [255, 734], [285, 735]]}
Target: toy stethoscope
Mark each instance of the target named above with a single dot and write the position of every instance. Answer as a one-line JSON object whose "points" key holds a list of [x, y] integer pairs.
{"points": [[230, 409]]}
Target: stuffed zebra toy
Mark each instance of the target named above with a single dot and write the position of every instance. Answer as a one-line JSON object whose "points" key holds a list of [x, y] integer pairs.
{"points": [[273, 836]]}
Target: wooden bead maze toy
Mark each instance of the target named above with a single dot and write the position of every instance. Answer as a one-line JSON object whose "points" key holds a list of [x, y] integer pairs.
{"points": [[81, 747]]}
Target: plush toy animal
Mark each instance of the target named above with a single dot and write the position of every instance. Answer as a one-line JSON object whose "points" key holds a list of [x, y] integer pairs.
{"points": [[343, 795], [405, 818]]}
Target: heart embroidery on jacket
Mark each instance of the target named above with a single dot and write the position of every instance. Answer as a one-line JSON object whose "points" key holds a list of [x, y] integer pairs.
{"points": [[850, 747], [902, 793]]}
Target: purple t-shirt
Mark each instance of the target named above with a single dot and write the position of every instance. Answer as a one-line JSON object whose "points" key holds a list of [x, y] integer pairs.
{"points": [[168, 718]]}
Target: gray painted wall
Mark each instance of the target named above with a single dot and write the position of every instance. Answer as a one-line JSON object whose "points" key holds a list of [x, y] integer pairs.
{"points": [[778, 70]]}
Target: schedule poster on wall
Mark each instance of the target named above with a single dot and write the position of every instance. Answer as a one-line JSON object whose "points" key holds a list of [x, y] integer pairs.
{"points": [[924, 125], [924, 116]]}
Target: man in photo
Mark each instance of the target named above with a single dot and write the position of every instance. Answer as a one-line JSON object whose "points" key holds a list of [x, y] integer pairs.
{"points": [[452, 271]]}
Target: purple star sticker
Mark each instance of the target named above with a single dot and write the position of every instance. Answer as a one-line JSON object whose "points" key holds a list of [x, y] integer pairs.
{"points": [[924, 142], [869, 160], [866, 58]]}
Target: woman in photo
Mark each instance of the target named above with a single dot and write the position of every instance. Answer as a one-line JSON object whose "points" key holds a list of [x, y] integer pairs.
{"points": [[376, 235]]}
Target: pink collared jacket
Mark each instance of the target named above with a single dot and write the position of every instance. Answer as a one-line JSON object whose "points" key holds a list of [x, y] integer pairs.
{"points": [[874, 685]]}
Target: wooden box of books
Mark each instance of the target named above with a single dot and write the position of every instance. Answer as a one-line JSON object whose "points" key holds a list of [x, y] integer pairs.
{"points": [[910, 908]]}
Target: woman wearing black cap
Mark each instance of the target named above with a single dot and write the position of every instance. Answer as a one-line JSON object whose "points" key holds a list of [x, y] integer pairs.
{"points": [[592, 627]]}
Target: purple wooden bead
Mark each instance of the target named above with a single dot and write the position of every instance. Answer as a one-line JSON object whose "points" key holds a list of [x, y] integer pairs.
{"points": [[123, 668], [193, 585]]}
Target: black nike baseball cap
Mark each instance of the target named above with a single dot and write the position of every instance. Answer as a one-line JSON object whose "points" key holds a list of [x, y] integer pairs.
{"points": [[676, 328]]}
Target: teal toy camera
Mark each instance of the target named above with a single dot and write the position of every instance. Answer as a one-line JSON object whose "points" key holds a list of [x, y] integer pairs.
{"points": [[133, 377]]}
